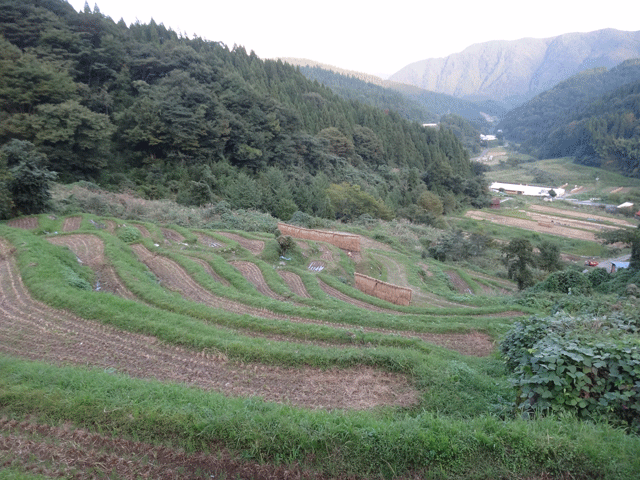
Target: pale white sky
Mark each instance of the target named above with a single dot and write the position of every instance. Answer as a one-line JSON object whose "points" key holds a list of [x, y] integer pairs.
{"points": [[372, 37]]}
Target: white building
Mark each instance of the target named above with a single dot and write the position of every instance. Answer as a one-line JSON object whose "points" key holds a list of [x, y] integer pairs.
{"points": [[531, 190]]}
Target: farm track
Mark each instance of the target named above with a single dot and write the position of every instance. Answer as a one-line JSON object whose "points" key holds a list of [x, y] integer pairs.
{"points": [[89, 249], [68, 452], [32, 330]]}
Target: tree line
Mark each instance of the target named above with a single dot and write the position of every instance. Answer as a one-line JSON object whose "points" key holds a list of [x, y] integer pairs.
{"points": [[142, 108]]}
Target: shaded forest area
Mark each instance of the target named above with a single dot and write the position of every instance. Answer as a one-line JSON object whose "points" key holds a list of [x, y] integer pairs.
{"points": [[593, 116], [144, 109]]}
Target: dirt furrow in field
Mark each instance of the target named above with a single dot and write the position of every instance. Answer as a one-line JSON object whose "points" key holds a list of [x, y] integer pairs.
{"points": [[28, 223], [577, 214], [71, 224], [335, 293], [252, 273], [174, 277], [30, 329], [89, 249], [254, 246], [65, 451], [172, 235], [294, 282]]}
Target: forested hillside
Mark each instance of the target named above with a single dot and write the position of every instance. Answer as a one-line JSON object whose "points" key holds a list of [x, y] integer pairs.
{"points": [[592, 116], [142, 108], [409, 101]]}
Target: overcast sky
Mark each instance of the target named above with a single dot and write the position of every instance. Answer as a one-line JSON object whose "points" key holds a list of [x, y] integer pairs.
{"points": [[372, 37]]}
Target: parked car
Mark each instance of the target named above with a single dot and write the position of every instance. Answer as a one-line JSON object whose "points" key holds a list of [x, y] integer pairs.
{"points": [[591, 263]]}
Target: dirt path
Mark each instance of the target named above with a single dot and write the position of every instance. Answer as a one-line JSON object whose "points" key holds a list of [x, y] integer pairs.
{"points": [[71, 224], [29, 446], [89, 249], [32, 330]]}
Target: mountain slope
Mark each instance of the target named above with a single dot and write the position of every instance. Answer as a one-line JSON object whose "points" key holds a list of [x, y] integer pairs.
{"points": [[409, 101], [530, 124], [515, 71]]}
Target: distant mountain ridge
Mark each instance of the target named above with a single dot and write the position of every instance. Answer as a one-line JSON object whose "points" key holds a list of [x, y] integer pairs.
{"points": [[515, 71], [413, 103]]}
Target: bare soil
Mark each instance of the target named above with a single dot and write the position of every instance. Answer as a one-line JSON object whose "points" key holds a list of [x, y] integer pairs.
{"points": [[89, 249], [208, 241], [172, 235], [254, 246], [252, 273], [294, 282], [32, 330], [26, 223], [459, 284], [578, 214], [71, 224], [546, 226], [74, 453]]}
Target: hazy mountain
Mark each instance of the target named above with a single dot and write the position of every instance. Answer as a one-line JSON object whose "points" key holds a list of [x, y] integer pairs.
{"points": [[516, 71]]}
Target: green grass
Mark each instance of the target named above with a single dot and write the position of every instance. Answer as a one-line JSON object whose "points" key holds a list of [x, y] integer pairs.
{"points": [[463, 427], [363, 444]]}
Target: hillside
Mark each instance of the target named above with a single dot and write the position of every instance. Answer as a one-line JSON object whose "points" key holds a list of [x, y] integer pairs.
{"points": [[140, 107], [532, 123], [409, 101], [515, 71]]}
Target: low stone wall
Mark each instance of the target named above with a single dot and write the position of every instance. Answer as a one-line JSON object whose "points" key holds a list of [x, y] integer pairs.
{"points": [[344, 241], [385, 291]]}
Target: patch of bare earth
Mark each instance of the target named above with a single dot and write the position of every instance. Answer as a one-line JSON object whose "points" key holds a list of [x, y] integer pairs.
{"points": [[573, 213], [143, 230], [32, 330], [71, 224], [252, 273], [172, 235], [254, 246], [27, 223], [211, 271], [208, 241], [89, 249], [532, 225], [68, 452], [458, 283], [294, 282]]}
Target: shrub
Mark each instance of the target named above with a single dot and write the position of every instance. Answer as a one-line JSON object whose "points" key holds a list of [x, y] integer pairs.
{"points": [[129, 234], [586, 364], [566, 281]]}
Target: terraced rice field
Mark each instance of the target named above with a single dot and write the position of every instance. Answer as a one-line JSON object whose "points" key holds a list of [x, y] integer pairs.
{"points": [[324, 319]]}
